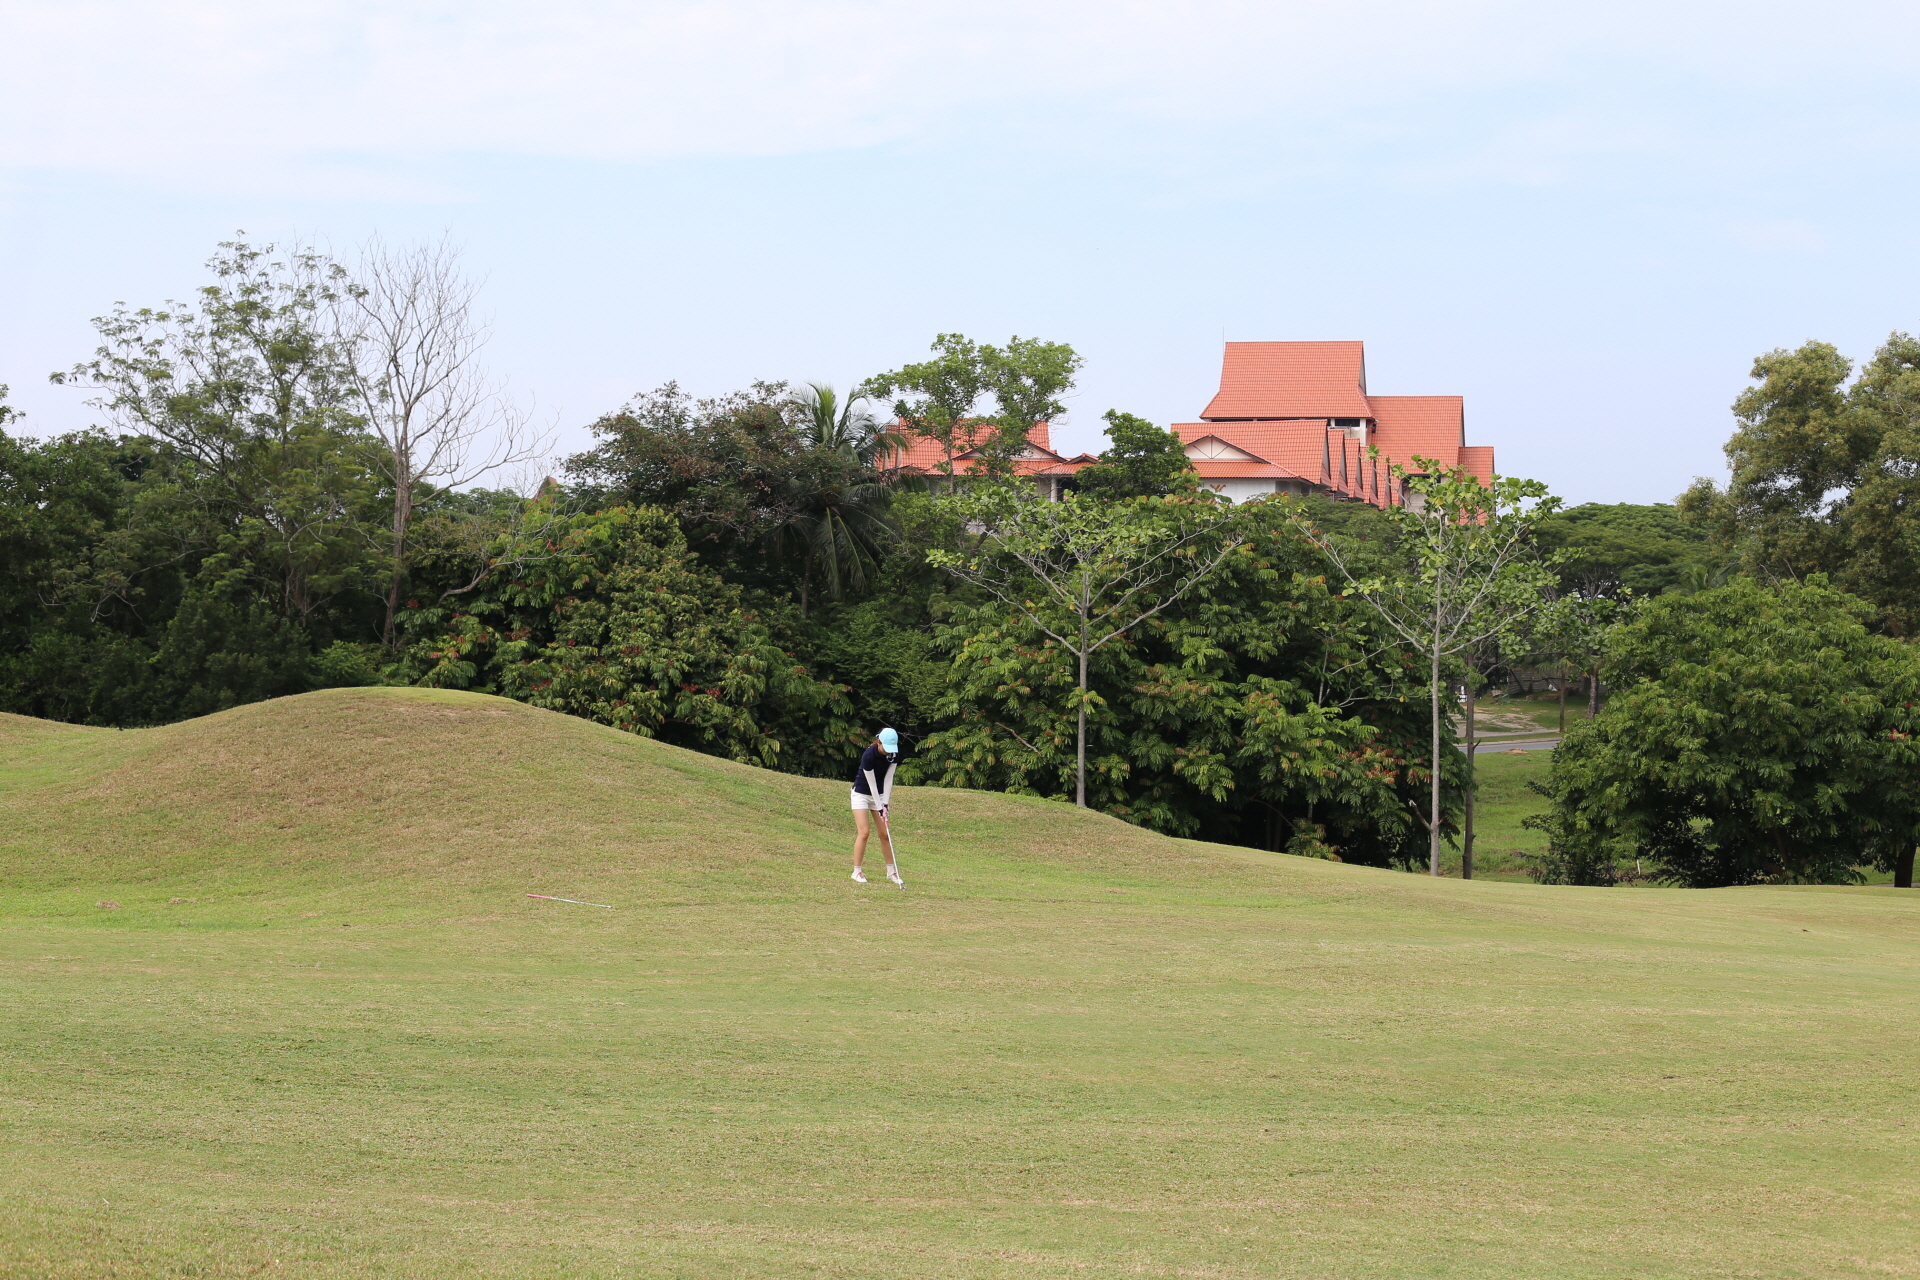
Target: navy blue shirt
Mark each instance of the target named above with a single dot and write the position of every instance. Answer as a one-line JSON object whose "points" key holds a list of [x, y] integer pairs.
{"points": [[877, 760]]}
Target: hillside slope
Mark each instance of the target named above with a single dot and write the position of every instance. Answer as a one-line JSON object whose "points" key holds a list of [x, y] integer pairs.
{"points": [[395, 793]]}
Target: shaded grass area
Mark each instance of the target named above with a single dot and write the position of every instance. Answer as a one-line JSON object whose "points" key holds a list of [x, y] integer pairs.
{"points": [[1502, 844], [1503, 801], [1541, 711], [1068, 1048]]}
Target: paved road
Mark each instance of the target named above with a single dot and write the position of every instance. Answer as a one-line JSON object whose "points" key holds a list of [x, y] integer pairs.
{"points": [[1515, 744]]}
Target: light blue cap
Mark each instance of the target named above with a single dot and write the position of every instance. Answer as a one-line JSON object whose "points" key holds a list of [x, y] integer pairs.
{"points": [[890, 742]]}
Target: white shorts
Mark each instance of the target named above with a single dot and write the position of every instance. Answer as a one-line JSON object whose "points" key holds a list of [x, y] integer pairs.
{"points": [[866, 802]]}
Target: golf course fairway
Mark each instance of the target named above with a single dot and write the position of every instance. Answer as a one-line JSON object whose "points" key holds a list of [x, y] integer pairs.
{"points": [[276, 1003]]}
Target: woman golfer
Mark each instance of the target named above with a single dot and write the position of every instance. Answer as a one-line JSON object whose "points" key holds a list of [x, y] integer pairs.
{"points": [[872, 788]]}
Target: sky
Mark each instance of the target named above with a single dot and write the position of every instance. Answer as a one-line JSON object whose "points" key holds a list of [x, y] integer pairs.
{"points": [[1588, 220]]}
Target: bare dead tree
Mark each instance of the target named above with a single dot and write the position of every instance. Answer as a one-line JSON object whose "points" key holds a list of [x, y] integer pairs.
{"points": [[414, 342]]}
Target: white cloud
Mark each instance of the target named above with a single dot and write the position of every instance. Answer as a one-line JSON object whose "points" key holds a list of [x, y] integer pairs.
{"points": [[238, 87]]}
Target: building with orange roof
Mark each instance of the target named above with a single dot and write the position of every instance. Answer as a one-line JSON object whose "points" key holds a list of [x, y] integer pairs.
{"points": [[1289, 417], [1048, 470], [1296, 417]]}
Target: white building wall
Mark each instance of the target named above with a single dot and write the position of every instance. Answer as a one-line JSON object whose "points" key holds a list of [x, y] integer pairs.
{"points": [[1241, 490]]}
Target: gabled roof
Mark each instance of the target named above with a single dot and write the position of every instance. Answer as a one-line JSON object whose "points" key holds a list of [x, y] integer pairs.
{"points": [[1275, 403], [1291, 380], [1290, 450], [1211, 448]]}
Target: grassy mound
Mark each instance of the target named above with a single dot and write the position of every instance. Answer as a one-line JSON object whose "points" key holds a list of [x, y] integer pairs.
{"points": [[395, 802], [325, 1034]]}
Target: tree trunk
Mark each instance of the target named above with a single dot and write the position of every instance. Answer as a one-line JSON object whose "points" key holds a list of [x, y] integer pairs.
{"points": [[1593, 695], [1563, 700], [1080, 737], [402, 517], [1903, 869], [1466, 832], [1433, 808], [806, 582]]}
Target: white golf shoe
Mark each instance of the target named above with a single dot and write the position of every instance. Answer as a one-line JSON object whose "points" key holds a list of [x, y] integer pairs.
{"points": [[859, 876], [893, 874]]}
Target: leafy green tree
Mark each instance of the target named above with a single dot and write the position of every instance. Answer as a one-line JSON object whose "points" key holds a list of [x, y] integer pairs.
{"points": [[61, 502], [940, 399], [1258, 707], [1472, 573], [616, 622], [1754, 735], [778, 492], [893, 673], [883, 648], [248, 388], [1569, 634], [225, 646], [1084, 571], [936, 399], [1619, 550], [1826, 476], [1366, 537], [723, 465], [112, 608], [1140, 461], [1027, 379]]}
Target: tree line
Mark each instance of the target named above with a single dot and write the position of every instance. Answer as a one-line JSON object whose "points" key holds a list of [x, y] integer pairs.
{"points": [[303, 482]]}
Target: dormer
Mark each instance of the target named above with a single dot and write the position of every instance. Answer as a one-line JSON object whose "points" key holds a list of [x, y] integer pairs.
{"points": [[1214, 449]]}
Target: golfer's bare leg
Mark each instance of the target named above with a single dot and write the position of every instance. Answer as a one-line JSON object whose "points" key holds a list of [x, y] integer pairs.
{"points": [[861, 827], [886, 839]]}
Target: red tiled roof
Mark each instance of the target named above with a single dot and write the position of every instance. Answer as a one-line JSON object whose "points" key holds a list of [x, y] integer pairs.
{"points": [[929, 456], [1296, 449], [1274, 398], [1291, 380], [1423, 426], [1211, 469]]}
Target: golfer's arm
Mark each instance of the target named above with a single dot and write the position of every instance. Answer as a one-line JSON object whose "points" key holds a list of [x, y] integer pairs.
{"points": [[886, 794], [873, 785]]}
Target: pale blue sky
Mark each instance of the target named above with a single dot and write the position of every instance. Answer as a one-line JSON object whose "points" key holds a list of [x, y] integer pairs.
{"points": [[1586, 220]]}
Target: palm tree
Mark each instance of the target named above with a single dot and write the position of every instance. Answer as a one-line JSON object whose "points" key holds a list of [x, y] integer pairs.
{"points": [[839, 523], [847, 426]]}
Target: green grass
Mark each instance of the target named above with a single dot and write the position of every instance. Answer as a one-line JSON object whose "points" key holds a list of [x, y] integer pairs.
{"points": [[1068, 1048], [1541, 715], [1502, 800]]}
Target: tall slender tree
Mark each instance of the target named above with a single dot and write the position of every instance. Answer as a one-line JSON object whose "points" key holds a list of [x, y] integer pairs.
{"points": [[1472, 573], [1085, 571]]}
